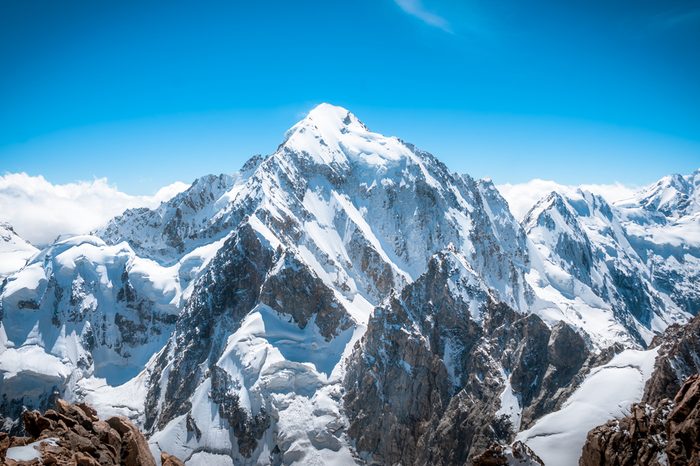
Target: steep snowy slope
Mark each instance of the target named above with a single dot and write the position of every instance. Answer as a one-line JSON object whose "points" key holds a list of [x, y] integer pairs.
{"points": [[649, 245], [607, 392], [14, 251]]}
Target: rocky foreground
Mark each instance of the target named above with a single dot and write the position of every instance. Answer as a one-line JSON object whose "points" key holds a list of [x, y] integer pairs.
{"points": [[517, 454], [74, 435], [665, 434], [664, 429]]}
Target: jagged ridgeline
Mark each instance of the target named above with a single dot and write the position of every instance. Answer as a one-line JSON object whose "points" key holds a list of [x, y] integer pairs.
{"points": [[350, 300]]}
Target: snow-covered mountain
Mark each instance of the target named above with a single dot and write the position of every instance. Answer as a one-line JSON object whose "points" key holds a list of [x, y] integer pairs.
{"points": [[340, 299], [14, 250], [587, 256], [663, 225]]}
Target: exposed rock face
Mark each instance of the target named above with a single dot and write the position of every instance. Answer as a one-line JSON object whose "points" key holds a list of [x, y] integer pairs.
{"points": [[170, 460], [74, 435], [223, 296], [679, 358], [294, 290], [430, 380], [665, 434], [246, 274]]}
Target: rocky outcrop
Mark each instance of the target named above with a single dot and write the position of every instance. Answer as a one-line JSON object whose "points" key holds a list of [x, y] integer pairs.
{"points": [[678, 359], [170, 460], [668, 433], [74, 435], [247, 429], [296, 291], [516, 454], [665, 427]]}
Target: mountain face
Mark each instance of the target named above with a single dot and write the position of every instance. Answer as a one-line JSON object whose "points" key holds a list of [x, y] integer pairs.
{"points": [[346, 299], [663, 224], [443, 370], [588, 256], [78, 308]]}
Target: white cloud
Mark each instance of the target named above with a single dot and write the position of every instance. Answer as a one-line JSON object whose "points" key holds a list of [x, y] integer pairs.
{"points": [[521, 197], [416, 8], [39, 210]]}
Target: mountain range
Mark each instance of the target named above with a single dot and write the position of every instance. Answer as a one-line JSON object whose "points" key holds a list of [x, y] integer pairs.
{"points": [[348, 299]]}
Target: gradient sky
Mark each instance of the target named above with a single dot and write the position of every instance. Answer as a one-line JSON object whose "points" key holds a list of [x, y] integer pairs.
{"points": [[148, 93]]}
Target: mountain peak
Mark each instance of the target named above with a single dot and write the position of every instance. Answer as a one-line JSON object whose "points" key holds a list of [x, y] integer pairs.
{"points": [[332, 135], [325, 112], [326, 118]]}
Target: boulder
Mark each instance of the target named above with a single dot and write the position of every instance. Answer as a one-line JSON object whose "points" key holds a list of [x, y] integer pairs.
{"points": [[73, 434]]}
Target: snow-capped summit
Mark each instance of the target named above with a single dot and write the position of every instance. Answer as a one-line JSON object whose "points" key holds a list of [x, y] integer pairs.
{"points": [[662, 222], [673, 196], [334, 136]]}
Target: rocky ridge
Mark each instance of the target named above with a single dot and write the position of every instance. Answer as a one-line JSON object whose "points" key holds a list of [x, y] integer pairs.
{"points": [[450, 373], [517, 454]]}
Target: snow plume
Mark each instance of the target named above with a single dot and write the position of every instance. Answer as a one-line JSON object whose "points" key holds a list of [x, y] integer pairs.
{"points": [[39, 210], [523, 196]]}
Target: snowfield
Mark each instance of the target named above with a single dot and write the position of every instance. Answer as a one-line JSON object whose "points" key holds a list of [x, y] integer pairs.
{"points": [[607, 393]]}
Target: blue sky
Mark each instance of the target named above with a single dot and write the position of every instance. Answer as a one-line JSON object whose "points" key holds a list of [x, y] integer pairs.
{"points": [[147, 93]]}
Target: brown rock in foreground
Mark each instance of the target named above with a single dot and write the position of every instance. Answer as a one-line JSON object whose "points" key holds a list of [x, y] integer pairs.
{"points": [[679, 347], [499, 455], [74, 435], [667, 434], [170, 460]]}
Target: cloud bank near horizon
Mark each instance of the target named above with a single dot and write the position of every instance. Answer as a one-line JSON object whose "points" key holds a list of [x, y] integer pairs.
{"points": [[39, 210], [521, 197]]}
